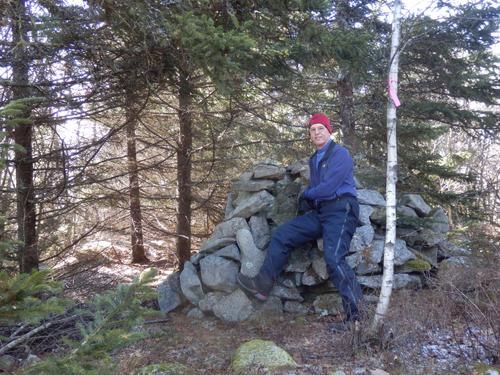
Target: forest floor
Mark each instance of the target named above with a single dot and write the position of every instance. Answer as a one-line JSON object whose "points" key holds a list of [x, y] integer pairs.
{"points": [[425, 333]]}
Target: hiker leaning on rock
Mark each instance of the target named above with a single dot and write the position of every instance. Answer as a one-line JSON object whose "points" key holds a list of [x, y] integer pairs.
{"points": [[331, 211]]}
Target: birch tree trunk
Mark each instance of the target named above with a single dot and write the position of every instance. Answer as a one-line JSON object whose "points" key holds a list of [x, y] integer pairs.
{"points": [[392, 162]]}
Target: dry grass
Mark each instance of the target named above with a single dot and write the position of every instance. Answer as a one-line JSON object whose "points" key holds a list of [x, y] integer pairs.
{"points": [[442, 329]]}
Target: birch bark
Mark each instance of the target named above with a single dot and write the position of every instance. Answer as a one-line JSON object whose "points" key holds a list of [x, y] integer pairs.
{"points": [[391, 178]]}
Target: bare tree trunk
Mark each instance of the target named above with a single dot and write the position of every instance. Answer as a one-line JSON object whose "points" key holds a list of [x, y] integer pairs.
{"points": [[348, 124], [138, 252], [184, 170], [23, 134], [392, 160], [344, 86]]}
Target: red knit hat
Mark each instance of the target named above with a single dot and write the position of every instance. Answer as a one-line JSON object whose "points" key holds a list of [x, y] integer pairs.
{"points": [[320, 118]]}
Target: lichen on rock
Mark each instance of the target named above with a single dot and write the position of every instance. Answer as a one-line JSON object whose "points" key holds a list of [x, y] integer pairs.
{"points": [[258, 354]]}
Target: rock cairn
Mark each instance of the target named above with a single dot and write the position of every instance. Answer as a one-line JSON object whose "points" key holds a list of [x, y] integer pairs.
{"points": [[267, 196]]}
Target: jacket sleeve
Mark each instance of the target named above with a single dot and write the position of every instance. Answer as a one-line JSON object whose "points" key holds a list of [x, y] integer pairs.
{"points": [[339, 165]]}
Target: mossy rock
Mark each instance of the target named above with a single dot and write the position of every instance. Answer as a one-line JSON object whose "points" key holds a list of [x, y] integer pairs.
{"points": [[164, 369], [483, 369], [258, 354], [418, 265]]}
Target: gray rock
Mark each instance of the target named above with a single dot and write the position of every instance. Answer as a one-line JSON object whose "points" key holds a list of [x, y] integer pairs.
{"points": [[218, 273], [273, 307], [374, 253], [234, 307], [258, 202], [328, 304], [260, 231], [400, 281], [260, 354], [190, 284], [358, 183], [429, 254], [407, 234], [416, 202], [319, 244], [309, 278], [229, 204], [361, 264], [169, 293], [228, 229], [210, 300], [370, 197], [298, 261], [406, 211], [273, 172], [285, 206], [401, 252], [213, 244], [298, 167], [246, 176], [196, 257], [448, 249], [439, 220], [364, 268], [251, 257], [289, 281], [295, 307], [319, 264], [378, 216], [252, 186], [291, 294], [405, 216], [298, 280], [427, 237], [229, 252], [353, 260], [241, 196], [195, 313], [364, 214], [362, 238]]}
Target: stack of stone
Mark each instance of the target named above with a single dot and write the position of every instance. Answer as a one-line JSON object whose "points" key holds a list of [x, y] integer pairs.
{"points": [[265, 197]]}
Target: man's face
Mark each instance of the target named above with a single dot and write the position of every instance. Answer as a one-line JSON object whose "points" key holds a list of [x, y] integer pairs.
{"points": [[319, 135]]}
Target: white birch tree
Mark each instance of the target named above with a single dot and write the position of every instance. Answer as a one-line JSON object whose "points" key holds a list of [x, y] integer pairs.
{"points": [[391, 177]]}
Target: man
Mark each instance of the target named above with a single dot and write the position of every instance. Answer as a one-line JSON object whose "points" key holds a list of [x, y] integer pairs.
{"points": [[333, 215]]}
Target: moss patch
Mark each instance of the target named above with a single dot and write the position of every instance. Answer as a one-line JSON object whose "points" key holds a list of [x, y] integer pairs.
{"points": [[483, 369], [418, 265], [256, 354]]}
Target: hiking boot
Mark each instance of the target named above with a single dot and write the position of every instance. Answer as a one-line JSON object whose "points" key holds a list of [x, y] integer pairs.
{"points": [[257, 287], [344, 325]]}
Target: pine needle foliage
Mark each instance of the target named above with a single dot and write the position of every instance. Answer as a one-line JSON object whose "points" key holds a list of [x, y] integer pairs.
{"points": [[29, 297], [109, 323]]}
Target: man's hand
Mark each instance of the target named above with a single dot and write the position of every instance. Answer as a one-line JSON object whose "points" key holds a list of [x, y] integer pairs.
{"points": [[303, 205]]}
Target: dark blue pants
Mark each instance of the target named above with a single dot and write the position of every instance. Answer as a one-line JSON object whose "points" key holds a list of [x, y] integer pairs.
{"points": [[336, 221]]}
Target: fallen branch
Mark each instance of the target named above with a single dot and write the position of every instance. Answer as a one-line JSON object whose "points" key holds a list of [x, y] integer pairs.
{"points": [[33, 332]]}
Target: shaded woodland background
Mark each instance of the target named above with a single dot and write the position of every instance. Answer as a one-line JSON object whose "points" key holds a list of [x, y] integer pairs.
{"points": [[127, 121]]}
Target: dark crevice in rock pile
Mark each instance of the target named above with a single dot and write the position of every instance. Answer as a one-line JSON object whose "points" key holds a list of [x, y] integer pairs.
{"points": [[266, 197]]}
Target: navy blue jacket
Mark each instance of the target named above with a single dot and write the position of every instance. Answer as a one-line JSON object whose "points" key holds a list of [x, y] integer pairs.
{"points": [[334, 177]]}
